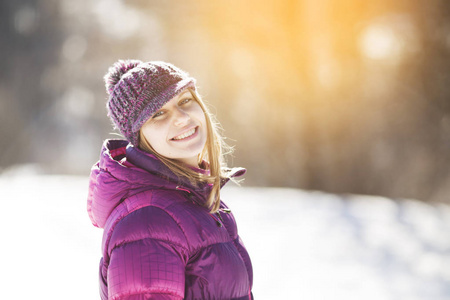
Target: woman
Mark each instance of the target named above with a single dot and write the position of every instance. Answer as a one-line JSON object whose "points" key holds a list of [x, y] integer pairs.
{"points": [[167, 234]]}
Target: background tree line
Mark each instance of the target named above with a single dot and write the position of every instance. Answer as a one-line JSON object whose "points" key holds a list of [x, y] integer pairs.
{"points": [[343, 96]]}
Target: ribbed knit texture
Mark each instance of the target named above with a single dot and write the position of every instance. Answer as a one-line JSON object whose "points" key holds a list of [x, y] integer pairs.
{"points": [[139, 89]]}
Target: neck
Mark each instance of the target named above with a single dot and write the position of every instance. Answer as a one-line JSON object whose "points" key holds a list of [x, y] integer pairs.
{"points": [[190, 162]]}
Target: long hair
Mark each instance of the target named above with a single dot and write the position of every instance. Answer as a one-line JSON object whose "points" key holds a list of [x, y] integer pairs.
{"points": [[212, 153]]}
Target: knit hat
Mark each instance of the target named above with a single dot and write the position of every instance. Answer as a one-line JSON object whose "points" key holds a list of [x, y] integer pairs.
{"points": [[139, 89]]}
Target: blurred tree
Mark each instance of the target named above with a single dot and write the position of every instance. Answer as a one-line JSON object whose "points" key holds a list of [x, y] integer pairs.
{"points": [[30, 34]]}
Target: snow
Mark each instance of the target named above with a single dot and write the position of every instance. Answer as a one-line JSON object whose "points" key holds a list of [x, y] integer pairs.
{"points": [[304, 244]]}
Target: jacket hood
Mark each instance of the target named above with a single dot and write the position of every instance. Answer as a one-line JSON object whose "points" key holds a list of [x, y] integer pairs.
{"points": [[124, 170]]}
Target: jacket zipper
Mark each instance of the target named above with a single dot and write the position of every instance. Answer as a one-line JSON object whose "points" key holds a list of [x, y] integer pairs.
{"points": [[217, 220]]}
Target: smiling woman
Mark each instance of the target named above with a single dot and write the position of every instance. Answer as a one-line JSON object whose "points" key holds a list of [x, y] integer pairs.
{"points": [[167, 234], [177, 130]]}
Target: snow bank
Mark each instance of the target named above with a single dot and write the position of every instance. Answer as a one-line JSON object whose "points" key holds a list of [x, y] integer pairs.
{"points": [[304, 245]]}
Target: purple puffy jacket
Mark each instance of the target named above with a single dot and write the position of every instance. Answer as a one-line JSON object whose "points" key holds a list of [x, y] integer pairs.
{"points": [[159, 241]]}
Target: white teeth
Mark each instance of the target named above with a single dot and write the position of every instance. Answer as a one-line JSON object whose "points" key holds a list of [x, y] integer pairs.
{"points": [[185, 135]]}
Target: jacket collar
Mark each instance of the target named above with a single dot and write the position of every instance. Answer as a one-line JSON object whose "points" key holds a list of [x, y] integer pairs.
{"points": [[124, 170]]}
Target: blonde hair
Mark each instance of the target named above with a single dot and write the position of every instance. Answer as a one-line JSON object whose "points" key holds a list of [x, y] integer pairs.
{"points": [[212, 153]]}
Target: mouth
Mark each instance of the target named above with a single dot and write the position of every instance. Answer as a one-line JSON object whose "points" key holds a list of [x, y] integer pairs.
{"points": [[185, 135]]}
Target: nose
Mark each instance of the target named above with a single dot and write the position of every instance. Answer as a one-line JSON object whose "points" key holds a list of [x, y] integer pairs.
{"points": [[181, 117]]}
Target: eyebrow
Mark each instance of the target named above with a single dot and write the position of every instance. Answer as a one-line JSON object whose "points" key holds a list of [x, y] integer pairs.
{"points": [[184, 93]]}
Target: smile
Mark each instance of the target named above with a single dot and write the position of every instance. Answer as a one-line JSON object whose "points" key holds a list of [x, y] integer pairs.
{"points": [[185, 135]]}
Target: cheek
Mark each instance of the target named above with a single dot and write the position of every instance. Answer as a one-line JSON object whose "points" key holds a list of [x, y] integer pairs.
{"points": [[154, 135], [200, 115]]}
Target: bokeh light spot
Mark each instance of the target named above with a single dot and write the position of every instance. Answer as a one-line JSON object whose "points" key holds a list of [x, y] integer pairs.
{"points": [[25, 20], [74, 48], [77, 102], [391, 39], [117, 20], [380, 42]]}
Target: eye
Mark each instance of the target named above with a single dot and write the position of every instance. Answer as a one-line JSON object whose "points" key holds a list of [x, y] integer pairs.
{"points": [[158, 114], [184, 101]]}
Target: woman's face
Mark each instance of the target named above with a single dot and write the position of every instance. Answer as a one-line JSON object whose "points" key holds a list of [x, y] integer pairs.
{"points": [[178, 129]]}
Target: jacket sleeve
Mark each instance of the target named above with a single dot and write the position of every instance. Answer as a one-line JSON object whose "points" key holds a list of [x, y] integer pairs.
{"points": [[147, 257]]}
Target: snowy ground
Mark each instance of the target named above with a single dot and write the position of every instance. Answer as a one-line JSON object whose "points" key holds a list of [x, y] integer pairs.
{"points": [[304, 245]]}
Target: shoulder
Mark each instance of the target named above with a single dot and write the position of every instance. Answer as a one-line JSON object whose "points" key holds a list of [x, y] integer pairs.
{"points": [[146, 215], [148, 222], [168, 216]]}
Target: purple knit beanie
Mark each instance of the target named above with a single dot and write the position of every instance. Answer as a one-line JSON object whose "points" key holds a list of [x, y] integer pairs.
{"points": [[138, 89]]}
